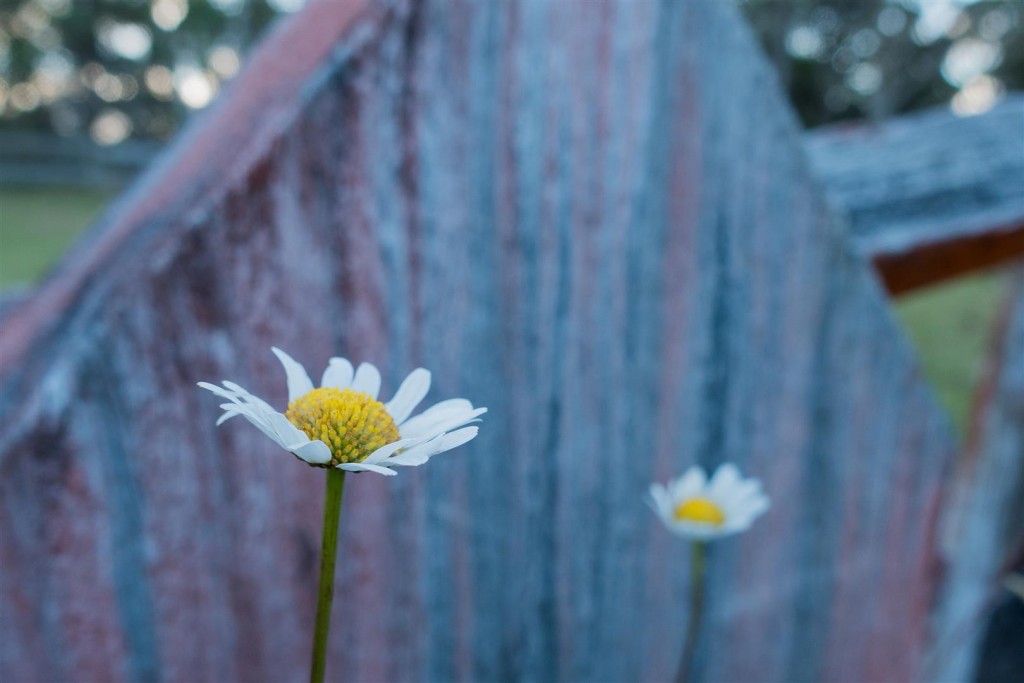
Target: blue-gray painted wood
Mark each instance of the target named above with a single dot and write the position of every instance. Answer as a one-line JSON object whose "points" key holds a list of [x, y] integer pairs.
{"points": [[925, 177], [594, 218], [986, 523]]}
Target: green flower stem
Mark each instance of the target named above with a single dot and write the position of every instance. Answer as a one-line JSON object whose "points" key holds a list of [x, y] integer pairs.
{"points": [[698, 563], [328, 554]]}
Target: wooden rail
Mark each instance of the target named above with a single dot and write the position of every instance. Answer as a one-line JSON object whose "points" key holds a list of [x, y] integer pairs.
{"points": [[930, 196], [45, 159]]}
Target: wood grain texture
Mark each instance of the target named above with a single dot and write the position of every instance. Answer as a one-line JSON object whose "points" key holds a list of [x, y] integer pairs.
{"points": [[594, 218], [985, 526], [929, 195]]}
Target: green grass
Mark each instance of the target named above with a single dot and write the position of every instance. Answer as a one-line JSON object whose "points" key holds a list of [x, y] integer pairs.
{"points": [[38, 225], [951, 326]]}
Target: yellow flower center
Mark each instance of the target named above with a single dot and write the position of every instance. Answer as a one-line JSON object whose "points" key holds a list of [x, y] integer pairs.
{"points": [[351, 423], [699, 510]]}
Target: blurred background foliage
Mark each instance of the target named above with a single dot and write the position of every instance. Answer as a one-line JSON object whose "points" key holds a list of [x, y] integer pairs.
{"points": [[118, 69], [113, 69], [871, 59], [119, 78]]}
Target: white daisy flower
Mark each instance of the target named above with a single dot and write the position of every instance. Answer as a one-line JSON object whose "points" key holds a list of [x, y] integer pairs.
{"points": [[343, 425], [694, 508]]}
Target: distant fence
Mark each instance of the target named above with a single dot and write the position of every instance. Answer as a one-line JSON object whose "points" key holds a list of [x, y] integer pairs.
{"points": [[41, 159]]}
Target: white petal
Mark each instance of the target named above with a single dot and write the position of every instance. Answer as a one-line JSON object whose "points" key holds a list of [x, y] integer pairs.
{"points": [[259, 421], [259, 414], [451, 405], [338, 374], [457, 438], [417, 455], [751, 509], [662, 503], [273, 424], [363, 467], [438, 411], [289, 434], [243, 394], [747, 488], [699, 531], [229, 412], [248, 410], [315, 452], [738, 495], [299, 383], [390, 449], [219, 391], [234, 393], [689, 485], [735, 526], [367, 380], [442, 423], [722, 484], [409, 395], [412, 457]]}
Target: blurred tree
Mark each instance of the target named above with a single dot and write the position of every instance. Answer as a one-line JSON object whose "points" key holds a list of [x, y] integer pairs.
{"points": [[120, 68], [851, 59], [114, 69]]}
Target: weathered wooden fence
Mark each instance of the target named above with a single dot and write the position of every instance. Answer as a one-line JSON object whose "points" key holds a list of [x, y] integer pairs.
{"points": [[929, 197], [986, 525], [594, 218]]}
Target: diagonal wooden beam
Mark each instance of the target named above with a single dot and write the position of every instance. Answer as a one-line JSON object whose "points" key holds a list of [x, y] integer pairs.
{"points": [[928, 263], [930, 196]]}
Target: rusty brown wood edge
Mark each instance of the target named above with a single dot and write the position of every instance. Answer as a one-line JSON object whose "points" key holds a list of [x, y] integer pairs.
{"points": [[202, 162], [934, 262]]}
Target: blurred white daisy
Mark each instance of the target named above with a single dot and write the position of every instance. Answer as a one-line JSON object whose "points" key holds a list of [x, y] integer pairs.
{"points": [[694, 508], [342, 424]]}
